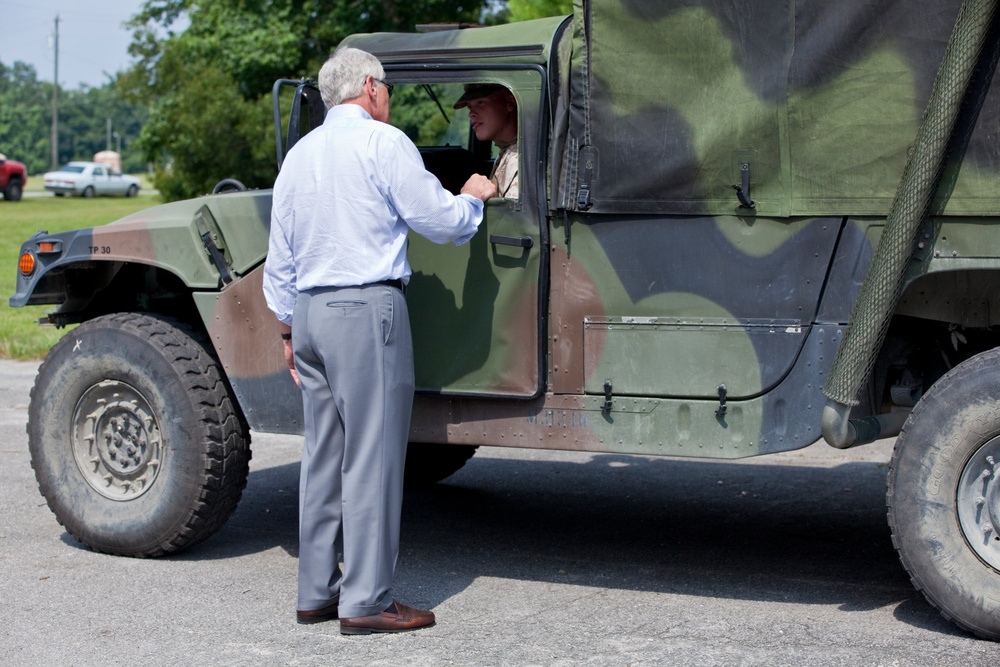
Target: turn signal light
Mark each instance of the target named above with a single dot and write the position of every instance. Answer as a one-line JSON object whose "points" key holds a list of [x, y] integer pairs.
{"points": [[26, 264]]}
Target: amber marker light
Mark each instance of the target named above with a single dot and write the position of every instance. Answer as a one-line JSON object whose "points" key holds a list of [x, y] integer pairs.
{"points": [[46, 246], [26, 264]]}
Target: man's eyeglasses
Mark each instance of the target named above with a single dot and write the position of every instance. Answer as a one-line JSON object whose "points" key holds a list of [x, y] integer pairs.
{"points": [[388, 86]]}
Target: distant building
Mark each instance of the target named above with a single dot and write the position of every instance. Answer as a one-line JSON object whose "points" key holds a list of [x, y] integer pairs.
{"points": [[110, 158]]}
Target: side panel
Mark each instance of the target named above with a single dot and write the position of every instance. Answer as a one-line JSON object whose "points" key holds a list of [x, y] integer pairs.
{"points": [[955, 276], [245, 335], [681, 306], [786, 418]]}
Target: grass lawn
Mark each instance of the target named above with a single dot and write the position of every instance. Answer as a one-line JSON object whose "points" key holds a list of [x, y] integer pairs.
{"points": [[20, 335]]}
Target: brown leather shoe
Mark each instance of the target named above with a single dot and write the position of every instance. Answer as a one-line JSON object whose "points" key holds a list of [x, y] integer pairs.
{"points": [[327, 613], [404, 619]]}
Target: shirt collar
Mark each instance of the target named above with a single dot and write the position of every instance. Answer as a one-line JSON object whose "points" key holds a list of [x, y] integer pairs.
{"points": [[347, 110]]}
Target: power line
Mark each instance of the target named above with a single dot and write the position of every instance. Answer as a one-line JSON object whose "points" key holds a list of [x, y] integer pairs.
{"points": [[55, 102]]}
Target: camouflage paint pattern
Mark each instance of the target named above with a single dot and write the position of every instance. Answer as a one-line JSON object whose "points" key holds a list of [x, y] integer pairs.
{"points": [[167, 237], [661, 287], [821, 99]]}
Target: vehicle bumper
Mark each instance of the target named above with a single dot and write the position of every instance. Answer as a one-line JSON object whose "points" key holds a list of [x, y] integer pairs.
{"points": [[62, 189]]}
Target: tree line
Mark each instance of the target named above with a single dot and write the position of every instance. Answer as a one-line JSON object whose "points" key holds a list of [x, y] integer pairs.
{"points": [[196, 103], [84, 114]]}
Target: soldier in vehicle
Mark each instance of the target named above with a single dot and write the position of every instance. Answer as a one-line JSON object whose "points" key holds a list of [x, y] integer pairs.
{"points": [[493, 112]]}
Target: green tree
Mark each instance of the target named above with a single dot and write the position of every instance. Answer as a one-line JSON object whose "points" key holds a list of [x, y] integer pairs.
{"points": [[523, 10], [208, 87], [25, 113], [84, 116], [26, 117]]}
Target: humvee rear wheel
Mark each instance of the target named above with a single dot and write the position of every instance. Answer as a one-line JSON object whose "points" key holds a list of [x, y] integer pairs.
{"points": [[944, 495], [135, 440]]}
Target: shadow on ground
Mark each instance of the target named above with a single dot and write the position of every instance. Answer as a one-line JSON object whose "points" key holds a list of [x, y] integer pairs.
{"points": [[793, 534]]}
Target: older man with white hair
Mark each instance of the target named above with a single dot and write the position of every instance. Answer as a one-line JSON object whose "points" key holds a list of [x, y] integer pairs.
{"points": [[347, 195]]}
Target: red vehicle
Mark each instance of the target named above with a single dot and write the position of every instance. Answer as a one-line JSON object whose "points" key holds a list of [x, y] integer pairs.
{"points": [[13, 178]]}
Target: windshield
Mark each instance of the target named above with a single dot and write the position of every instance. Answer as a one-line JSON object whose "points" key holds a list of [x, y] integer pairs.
{"points": [[424, 113]]}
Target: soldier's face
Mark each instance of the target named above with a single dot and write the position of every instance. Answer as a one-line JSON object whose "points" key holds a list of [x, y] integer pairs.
{"points": [[492, 117]]}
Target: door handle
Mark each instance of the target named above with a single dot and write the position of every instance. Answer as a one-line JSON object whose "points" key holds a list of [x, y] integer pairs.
{"points": [[516, 241]]}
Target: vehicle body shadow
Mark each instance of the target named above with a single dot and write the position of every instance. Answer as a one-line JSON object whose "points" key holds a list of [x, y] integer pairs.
{"points": [[731, 530]]}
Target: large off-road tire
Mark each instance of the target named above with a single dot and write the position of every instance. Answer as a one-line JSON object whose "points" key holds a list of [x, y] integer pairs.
{"points": [[428, 463], [136, 442], [14, 190], [944, 495]]}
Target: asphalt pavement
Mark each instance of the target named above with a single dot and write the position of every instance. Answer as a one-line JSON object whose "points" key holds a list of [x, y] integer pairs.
{"points": [[527, 557]]}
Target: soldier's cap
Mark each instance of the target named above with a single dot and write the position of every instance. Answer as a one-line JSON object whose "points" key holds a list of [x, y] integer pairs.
{"points": [[476, 91]]}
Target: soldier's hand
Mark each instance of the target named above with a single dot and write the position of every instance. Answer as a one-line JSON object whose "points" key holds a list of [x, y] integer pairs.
{"points": [[479, 187]]}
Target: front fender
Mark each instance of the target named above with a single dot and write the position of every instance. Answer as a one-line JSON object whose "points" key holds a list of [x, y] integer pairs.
{"points": [[169, 237]]}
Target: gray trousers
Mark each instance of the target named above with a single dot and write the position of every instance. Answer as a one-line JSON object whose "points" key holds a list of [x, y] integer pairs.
{"points": [[354, 355]]}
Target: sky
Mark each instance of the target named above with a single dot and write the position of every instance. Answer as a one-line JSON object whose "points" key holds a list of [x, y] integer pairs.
{"points": [[93, 45]]}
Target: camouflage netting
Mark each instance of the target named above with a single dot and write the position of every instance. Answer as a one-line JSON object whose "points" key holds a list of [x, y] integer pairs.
{"points": [[880, 290], [821, 99]]}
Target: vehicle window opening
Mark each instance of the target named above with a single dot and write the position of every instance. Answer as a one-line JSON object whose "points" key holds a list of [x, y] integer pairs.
{"points": [[443, 135]]}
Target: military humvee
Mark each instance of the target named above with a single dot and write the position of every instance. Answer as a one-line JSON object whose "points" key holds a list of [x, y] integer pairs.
{"points": [[741, 227]]}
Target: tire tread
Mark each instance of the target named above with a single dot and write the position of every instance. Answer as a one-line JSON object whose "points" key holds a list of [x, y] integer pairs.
{"points": [[226, 434], [939, 400]]}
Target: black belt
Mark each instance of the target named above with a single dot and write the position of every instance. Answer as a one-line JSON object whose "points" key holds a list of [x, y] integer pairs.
{"points": [[395, 282]]}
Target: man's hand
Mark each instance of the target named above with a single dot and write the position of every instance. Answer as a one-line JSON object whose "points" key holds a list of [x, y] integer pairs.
{"points": [[290, 358], [286, 339], [479, 187]]}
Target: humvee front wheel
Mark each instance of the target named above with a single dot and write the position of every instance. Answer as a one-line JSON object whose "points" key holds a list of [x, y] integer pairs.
{"points": [[135, 440], [944, 495]]}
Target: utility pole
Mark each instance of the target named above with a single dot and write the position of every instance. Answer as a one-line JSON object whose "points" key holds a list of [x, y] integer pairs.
{"points": [[55, 104]]}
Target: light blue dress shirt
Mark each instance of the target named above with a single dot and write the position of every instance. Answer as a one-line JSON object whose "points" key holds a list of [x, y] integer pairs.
{"points": [[347, 194]]}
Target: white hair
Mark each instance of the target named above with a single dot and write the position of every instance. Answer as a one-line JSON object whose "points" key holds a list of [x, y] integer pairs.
{"points": [[343, 75]]}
